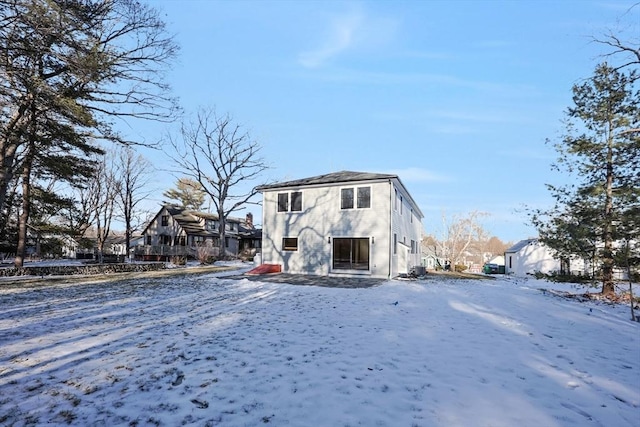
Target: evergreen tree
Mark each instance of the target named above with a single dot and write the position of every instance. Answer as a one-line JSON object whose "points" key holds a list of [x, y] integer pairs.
{"points": [[67, 69], [601, 151], [188, 193]]}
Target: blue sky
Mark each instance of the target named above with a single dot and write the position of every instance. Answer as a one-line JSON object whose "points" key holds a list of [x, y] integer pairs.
{"points": [[456, 97]]}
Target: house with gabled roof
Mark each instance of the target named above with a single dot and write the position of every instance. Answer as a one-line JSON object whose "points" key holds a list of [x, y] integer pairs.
{"points": [[531, 255], [342, 223], [177, 231]]}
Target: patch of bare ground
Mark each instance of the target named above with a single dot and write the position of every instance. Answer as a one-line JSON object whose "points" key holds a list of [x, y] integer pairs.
{"points": [[457, 275], [23, 281], [622, 298]]}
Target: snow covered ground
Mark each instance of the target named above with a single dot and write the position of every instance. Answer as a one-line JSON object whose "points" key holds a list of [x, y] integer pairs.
{"points": [[209, 350]]}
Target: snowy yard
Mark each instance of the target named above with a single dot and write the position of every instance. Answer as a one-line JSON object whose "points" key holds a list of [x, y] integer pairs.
{"points": [[206, 350]]}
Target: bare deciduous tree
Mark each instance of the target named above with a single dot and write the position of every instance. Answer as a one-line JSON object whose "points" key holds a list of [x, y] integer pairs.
{"points": [[99, 198], [133, 172], [626, 49], [223, 158], [459, 233]]}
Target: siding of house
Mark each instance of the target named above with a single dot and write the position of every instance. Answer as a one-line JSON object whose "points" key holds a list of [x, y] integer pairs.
{"points": [[407, 227], [322, 220], [155, 229], [527, 257]]}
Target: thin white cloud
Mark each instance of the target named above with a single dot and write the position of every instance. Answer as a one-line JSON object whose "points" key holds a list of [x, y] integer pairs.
{"points": [[354, 29], [339, 39]]}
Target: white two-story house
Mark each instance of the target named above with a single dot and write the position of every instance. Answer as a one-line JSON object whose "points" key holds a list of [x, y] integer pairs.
{"points": [[351, 223]]}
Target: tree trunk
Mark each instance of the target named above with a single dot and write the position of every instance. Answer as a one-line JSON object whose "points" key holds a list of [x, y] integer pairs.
{"points": [[222, 233], [23, 219], [607, 253]]}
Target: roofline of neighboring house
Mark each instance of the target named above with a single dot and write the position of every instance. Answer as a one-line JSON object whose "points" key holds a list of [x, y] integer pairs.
{"points": [[338, 178], [521, 244], [204, 215]]}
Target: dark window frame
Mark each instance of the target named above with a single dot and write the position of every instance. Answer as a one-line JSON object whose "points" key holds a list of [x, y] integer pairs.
{"points": [[290, 244], [364, 198], [351, 253], [296, 201], [346, 198], [283, 202]]}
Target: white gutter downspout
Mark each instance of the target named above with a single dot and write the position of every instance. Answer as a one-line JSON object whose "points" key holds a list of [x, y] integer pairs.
{"points": [[390, 226]]}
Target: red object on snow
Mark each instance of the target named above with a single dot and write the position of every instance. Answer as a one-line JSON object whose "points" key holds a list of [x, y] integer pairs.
{"points": [[266, 269]]}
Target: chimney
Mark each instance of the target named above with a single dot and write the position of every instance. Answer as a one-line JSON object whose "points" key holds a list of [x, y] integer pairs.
{"points": [[249, 220]]}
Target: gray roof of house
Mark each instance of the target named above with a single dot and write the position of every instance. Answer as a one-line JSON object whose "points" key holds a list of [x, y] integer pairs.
{"points": [[329, 178], [521, 244], [190, 223]]}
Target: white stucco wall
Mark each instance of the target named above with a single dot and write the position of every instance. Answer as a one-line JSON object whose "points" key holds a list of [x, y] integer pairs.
{"points": [[529, 259], [407, 226], [321, 220]]}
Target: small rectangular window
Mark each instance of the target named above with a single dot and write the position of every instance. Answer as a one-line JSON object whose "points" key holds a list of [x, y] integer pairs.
{"points": [[296, 201], [165, 220], [395, 243], [290, 243], [283, 202], [148, 240], [401, 205], [346, 199], [364, 197], [395, 201]]}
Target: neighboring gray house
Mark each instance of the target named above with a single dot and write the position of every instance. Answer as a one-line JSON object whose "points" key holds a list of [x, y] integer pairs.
{"points": [[343, 223], [176, 231]]}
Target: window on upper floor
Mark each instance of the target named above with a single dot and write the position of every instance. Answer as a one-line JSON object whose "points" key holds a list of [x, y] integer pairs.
{"points": [[364, 197], [164, 220], [296, 201], [362, 201], [283, 202], [346, 198], [290, 201]]}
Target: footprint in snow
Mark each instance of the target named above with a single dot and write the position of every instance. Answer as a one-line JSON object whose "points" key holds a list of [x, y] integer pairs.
{"points": [[201, 404], [178, 379]]}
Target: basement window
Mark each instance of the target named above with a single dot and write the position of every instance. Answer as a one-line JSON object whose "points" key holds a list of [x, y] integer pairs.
{"points": [[290, 244]]}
